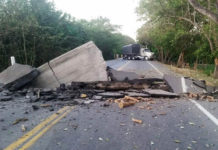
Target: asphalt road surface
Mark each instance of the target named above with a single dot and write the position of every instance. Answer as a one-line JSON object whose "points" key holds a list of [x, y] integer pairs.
{"points": [[169, 124]]}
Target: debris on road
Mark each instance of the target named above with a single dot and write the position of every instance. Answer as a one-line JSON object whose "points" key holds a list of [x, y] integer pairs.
{"points": [[177, 141], [126, 101], [137, 121], [17, 76], [19, 120], [23, 128], [160, 93]]}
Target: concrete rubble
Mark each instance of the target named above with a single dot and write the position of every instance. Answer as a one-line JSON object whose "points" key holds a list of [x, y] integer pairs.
{"points": [[17, 76], [89, 81]]}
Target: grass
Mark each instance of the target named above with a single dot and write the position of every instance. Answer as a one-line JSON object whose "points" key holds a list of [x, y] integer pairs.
{"points": [[204, 72]]}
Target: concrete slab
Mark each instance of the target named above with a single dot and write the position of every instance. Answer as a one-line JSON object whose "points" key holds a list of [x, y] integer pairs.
{"points": [[17, 76], [160, 93], [111, 95], [82, 64], [121, 75], [174, 82], [187, 85]]}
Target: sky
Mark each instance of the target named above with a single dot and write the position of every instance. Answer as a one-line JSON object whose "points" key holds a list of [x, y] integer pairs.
{"points": [[120, 12]]}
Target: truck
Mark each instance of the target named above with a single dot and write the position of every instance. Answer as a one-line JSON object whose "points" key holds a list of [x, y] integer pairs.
{"points": [[136, 52]]}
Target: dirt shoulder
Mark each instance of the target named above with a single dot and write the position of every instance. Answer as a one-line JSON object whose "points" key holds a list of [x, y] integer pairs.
{"points": [[195, 74]]}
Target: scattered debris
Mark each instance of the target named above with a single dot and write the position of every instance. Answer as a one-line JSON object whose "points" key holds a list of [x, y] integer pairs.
{"points": [[89, 101], [35, 107], [162, 113], [19, 120], [191, 123], [126, 101], [137, 121], [177, 141], [23, 128], [45, 105], [83, 95]]}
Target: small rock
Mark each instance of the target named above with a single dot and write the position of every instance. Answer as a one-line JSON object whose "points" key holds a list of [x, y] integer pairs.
{"points": [[97, 97], [83, 95], [89, 101], [100, 139], [51, 109], [106, 104], [23, 128], [35, 107]]}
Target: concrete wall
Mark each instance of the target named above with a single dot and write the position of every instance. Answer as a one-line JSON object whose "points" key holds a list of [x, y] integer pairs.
{"points": [[84, 63]]}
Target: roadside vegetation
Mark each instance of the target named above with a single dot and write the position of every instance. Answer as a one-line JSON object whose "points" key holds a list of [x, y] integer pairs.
{"points": [[181, 31], [34, 31]]}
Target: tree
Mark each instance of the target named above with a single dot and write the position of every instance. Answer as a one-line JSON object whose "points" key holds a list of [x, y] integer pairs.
{"points": [[210, 14]]}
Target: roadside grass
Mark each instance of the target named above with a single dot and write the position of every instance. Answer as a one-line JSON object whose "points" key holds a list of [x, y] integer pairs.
{"points": [[202, 73]]}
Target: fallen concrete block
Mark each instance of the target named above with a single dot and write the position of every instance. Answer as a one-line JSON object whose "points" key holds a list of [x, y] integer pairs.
{"points": [[82, 64], [17, 76]]}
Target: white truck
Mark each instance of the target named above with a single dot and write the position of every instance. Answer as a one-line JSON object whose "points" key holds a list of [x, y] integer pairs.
{"points": [[135, 52]]}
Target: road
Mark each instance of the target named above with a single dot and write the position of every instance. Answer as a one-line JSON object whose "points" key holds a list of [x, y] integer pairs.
{"points": [[170, 124]]}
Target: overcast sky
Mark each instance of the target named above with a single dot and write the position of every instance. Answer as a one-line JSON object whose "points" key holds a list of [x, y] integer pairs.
{"points": [[120, 12]]}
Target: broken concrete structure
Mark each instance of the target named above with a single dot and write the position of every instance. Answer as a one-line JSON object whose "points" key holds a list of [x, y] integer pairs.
{"points": [[17, 76], [181, 85], [82, 64]]}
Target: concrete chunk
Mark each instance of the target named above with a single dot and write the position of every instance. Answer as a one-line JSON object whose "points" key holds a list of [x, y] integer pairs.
{"points": [[82, 64], [17, 76]]}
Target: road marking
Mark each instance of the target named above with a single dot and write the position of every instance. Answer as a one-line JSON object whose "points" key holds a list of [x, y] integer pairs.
{"points": [[35, 138], [207, 113], [120, 68], [155, 68], [28, 135], [184, 87]]}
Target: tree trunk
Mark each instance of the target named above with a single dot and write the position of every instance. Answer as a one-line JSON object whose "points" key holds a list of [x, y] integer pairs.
{"points": [[213, 16], [24, 45], [216, 69], [180, 60]]}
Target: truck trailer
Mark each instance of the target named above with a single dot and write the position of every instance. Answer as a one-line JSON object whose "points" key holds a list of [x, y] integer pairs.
{"points": [[135, 52]]}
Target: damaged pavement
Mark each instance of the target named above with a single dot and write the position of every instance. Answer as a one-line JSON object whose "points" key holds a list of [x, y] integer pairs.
{"points": [[109, 103]]}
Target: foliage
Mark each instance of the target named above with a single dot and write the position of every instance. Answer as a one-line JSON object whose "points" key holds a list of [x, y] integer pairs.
{"points": [[35, 32], [174, 27]]}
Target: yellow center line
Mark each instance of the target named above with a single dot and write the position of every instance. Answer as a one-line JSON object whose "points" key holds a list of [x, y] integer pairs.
{"points": [[28, 135], [35, 138]]}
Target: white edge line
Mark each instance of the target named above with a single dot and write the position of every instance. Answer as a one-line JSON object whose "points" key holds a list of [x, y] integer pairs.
{"points": [[156, 69], [184, 87], [207, 113]]}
